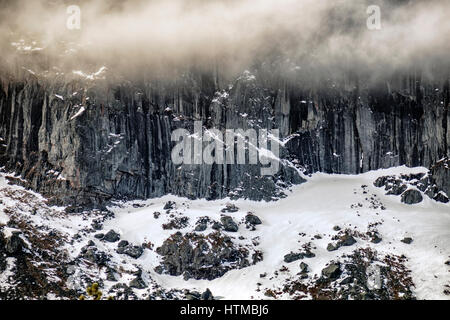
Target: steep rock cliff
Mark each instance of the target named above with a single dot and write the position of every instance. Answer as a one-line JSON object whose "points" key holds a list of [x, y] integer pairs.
{"points": [[84, 141]]}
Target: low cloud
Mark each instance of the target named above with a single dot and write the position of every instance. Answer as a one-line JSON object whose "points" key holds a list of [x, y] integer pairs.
{"points": [[137, 35]]}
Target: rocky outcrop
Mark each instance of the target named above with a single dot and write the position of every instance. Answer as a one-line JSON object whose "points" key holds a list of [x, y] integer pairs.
{"points": [[411, 186], [365, 274], [84, 142], [203, 257], [13, 242]]}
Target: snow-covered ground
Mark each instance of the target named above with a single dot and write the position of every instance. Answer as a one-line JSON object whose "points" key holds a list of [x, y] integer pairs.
{"points": [[309, 215]]}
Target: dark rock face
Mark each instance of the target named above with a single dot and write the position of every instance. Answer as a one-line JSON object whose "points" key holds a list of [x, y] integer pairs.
{"points": [[440, 176], [412, 197], [120, 145], [201, 257], [13, 243]]}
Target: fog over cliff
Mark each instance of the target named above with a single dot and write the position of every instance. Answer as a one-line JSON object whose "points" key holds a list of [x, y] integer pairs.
{"points": [[136, 35]]}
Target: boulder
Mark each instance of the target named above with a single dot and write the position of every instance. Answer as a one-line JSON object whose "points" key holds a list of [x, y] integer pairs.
{"points": [[380, 182], [407, 240], [440, 197], [291, 257], [303, 268], [230, 208], [376, 239], [111, 236], [169, 205], [207, 295], [138, 283], [201, 227], [309, 254], [229, 224], [397, 189], [412, 196], [252, 219], [347, 240], [133, 251], [332, 247], [333, 271], [123, 244]]}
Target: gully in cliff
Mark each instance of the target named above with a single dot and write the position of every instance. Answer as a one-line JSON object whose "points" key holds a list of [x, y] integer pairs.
{"points": [[211, 146]]}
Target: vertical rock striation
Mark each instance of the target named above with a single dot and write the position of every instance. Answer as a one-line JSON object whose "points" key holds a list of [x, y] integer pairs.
{"points": [[83, 142]]}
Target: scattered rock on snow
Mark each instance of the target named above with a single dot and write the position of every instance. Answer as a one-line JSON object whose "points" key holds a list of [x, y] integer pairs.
{"points": [[291, 257], [333, 271], [230, 208], [346, 240], [331, 247], [111, 236], [132, 251], [169, 205], [407, 240], [303, 268], [376, 239]]}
